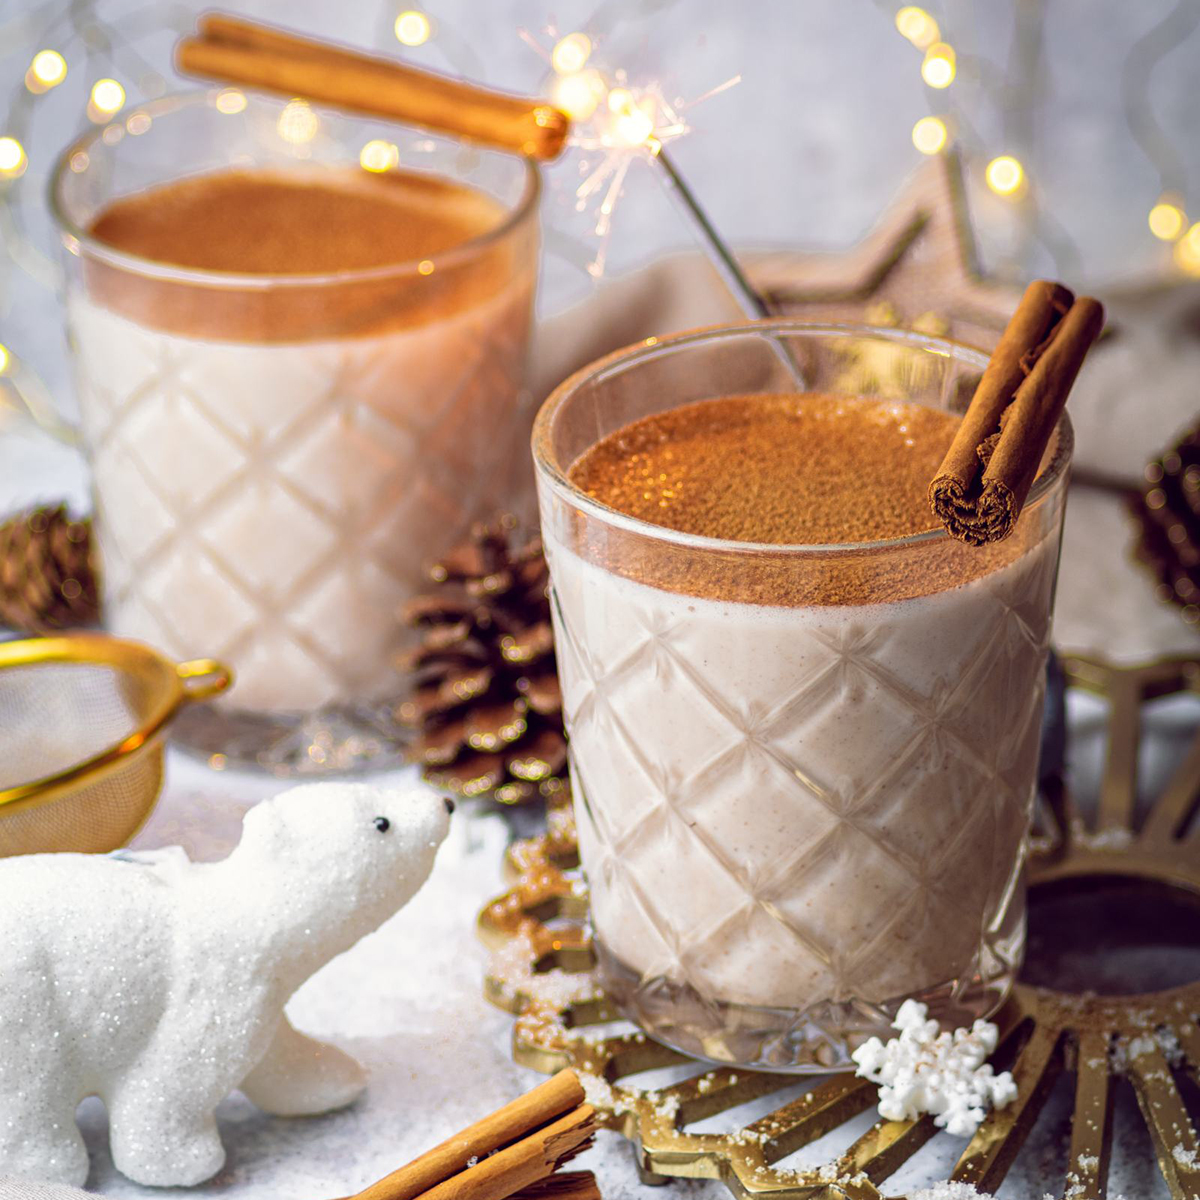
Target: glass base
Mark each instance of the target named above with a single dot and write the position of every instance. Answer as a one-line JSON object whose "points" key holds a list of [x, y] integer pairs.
{"points": [[815, 1040], [332, 741]]}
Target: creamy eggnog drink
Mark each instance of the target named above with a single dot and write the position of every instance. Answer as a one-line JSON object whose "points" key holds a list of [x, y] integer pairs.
{"points": [[803, 722], [299, 382]]}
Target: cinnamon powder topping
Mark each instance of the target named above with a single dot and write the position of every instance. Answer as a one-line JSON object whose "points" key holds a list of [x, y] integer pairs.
{"points": [[780, 470], [783, 469], [298, 222], [323, 223]]}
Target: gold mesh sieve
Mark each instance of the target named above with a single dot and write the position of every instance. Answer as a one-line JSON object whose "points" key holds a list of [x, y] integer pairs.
{"points": [[82, 726]]}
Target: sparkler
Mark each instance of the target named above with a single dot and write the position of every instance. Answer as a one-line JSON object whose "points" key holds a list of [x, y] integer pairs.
{"points": [[622, 122]]}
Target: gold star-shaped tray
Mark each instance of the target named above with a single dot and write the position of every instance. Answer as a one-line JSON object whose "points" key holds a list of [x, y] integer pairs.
{"points": [[542, 972]]}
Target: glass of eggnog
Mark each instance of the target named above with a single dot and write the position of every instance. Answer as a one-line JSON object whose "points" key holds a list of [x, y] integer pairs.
{"points": [[804, 721], [300, 342]]}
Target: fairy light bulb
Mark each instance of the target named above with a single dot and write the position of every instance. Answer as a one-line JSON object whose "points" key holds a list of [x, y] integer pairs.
{"points": [[108, 97], [940, 65], [917, 26], [12, 158], [412, 28], [1187, 251], [230, 101], [378, 155], [297, 123], [570, 53], [47, 70], [1005, 175], [1167, 220], [930, 135], [5, 359], [578, 95]]}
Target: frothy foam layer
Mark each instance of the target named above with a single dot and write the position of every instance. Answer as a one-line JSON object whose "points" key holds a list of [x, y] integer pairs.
{"points": [[782, 470]]}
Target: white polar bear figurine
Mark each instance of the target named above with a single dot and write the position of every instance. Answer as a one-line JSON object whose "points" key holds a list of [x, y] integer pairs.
{"points": [[160, 987]]}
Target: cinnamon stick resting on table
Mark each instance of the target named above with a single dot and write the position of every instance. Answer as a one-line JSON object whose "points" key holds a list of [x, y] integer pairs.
{"points": [[274, 60], [988, 471], [515, 1150]]}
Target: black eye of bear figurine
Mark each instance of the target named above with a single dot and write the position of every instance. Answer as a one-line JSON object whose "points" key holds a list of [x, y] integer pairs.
{"points": [[382, 824]]}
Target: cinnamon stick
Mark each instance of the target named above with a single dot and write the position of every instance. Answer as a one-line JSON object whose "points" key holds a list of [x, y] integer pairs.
{"points": [[987, 473], [560, 1096], [524, 1163], [563, 1185], [274, 60]]}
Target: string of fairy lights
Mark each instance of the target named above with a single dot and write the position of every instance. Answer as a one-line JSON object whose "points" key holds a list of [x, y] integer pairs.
{"points": [[1007, 175], [615, 119]]}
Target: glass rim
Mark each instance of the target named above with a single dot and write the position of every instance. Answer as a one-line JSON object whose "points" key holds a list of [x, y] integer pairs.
{"points": [[554, 473], [79, 241]]}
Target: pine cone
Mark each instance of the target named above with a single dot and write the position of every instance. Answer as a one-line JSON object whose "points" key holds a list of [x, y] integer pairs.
{"points": [[1167, 512], [487, 707], [47, 572]]}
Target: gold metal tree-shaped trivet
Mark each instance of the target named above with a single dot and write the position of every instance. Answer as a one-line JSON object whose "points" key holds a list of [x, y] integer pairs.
{"points": [[542, 973]]}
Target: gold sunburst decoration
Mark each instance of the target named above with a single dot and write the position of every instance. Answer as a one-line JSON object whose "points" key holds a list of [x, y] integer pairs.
{"points": [[542, 972]]}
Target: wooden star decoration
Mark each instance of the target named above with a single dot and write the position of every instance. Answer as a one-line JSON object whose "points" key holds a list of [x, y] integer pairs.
{"points": [[917, 269]]}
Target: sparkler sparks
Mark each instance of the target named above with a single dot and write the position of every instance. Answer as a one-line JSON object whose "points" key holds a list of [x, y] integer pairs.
{"points": [[615, 122]]}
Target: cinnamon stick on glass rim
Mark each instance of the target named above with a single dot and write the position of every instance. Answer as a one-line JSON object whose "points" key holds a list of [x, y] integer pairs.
{"points": [[274, 60], [985, 478], [506, 1152]]}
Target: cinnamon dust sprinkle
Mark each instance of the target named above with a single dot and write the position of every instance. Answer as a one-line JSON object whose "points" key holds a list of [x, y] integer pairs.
{"points": [[298, 222], [313, 228], [782, 469], [785, 470]]}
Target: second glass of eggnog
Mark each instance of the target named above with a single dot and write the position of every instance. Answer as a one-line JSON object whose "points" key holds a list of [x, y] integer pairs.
{"points": [[300, 343], [803, 720]]}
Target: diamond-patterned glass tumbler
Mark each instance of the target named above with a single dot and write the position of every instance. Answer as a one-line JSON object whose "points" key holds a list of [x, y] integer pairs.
{"points": [[276, 457], [795, 812]]}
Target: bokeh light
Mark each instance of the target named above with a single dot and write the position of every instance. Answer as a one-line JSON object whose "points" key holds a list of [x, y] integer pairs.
{"points": [[930, 135], [1167, 220], [578, 95], [570, 53], [47, 70], [412, 28], [108, 97], [12, 158], [918, 26], [5, 359], [231, 101], [298, 123], [940, 65], [378, 155], [1005, 175], [1187, 251]]}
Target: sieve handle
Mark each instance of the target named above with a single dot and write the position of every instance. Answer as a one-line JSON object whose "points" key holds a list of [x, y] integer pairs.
{"points": [[203, 678]]}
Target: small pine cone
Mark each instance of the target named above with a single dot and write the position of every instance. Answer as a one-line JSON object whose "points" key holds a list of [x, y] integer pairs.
{"points": [[487, 709], [47, 572], [1167, 514]]}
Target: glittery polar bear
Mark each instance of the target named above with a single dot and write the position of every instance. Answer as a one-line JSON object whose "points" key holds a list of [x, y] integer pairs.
{"points": [[159, 986]]}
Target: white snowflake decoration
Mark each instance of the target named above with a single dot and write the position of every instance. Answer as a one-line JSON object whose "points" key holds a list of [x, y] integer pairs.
{"points": [[923, 1070]]}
